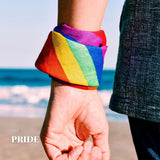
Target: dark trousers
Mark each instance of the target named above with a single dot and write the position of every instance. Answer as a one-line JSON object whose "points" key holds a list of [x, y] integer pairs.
{"points": [[146, 138]]}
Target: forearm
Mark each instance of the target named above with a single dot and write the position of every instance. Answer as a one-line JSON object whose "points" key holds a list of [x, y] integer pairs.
{"points": [[82, 14], [75, 114]]}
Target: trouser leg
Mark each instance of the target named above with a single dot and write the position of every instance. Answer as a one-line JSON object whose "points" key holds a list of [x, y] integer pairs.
{"points": [[146, 138]]}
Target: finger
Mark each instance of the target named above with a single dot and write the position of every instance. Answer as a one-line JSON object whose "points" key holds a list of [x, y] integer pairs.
{"points": [[72, 155], [75, 153], [87, 147], [52, 151], [96, 153], [101, 140]]}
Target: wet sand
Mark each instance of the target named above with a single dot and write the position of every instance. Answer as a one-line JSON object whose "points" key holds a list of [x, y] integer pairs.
{"points": [[120, 140]]}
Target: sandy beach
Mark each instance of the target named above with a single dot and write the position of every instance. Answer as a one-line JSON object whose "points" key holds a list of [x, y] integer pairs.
{"points": [[120, 140]]}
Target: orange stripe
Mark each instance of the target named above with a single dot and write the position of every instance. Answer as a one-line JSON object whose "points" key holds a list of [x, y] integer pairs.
{"points": [[47, 61], [83, 87]]}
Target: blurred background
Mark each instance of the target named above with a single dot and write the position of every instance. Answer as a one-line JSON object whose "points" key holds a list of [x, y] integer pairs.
{"points": [[24, 91], [24, 28]]}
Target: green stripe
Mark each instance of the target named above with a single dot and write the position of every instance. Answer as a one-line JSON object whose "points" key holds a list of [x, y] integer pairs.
{"points": [[85, 62]]}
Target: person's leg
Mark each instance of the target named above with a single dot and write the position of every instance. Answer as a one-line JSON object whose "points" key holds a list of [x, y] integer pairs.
{"points": [[146, 138]]}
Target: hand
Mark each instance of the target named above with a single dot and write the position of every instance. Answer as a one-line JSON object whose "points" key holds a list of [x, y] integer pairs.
{"points": [[87, 152], [73, 116]]}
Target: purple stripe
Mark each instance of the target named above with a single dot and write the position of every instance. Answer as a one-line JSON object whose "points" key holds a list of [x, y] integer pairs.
{"points": [[104, 49], [84, 37]]}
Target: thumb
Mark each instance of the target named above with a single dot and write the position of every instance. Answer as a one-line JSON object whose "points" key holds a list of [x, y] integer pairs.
{"points": [[101, 140]]}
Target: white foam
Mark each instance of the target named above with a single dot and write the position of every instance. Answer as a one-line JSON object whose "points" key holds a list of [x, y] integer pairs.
{"points": [[23, 101], [24, 94], [105, 96], [21, 111], [34, 95], [19, 89]]}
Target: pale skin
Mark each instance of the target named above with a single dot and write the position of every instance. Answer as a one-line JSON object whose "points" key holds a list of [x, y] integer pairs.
{"points": [[74, 115]]}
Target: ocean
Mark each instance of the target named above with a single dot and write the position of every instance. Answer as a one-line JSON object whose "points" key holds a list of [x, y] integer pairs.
{"points": [[25, 93]]}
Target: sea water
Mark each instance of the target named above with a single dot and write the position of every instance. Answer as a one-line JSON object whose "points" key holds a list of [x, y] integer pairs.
{"points": [[25, 93]]}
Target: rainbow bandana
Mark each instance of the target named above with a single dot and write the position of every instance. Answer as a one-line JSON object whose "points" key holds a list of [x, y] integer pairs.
{"points": [[74, 57]]}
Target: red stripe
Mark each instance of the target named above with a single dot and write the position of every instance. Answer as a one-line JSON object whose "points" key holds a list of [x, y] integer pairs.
{"points": [[47, 61], [101, 34]]}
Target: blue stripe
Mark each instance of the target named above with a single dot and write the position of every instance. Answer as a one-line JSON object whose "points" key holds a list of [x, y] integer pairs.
{"points": [[96, 54]]}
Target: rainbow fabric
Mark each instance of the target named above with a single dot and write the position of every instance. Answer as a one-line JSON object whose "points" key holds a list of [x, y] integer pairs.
{"points": [[73, 56]]}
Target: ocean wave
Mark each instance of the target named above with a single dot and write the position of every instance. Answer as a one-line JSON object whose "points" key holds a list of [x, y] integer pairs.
{"points": [[21, 111], [24, 95], [105, 96], [35, 96], [24, 101], [34, 112]]}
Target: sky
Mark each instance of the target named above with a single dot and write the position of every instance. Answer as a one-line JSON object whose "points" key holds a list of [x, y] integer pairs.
{"points": [[25, 24]]}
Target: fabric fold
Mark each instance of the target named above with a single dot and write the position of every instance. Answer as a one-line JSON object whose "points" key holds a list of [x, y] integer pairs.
{"points": [[73, 56]]}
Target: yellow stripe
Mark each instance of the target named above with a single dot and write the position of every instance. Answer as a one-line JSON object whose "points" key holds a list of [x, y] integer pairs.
{"points": [[67, 60]]}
